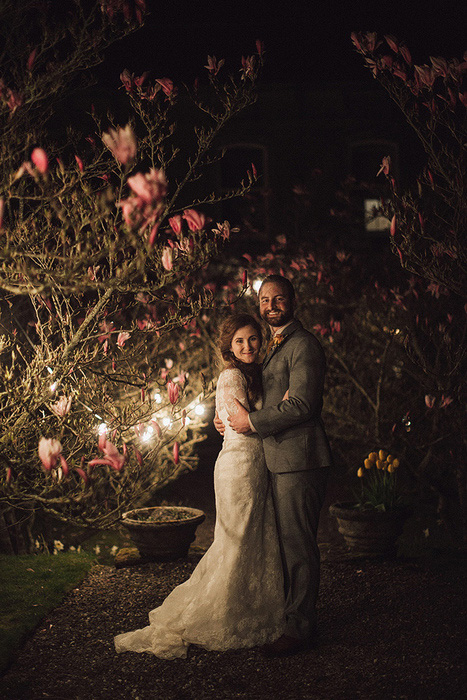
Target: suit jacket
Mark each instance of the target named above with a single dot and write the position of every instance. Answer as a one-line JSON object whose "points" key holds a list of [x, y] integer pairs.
{"points": [[293, 434]]}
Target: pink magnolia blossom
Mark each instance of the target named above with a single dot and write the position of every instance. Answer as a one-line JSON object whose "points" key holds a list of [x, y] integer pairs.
{"points": [[388, 61], [392, 42], [248, 67], [79, 163], [153, 234], [14, 100], [40, 160], [173, 391], [440, 66], [82, 474], [139, 80], [31, 59], [393, 227], [426, 74], [64, 466], [357, 40], [213, 65], [259, 46], [176, 452], [224, 230], [151, 187], [445, 401], [385, 165], [49, 452], [121, 143], [62, 406], [167, 258], [127, 79], [167, 87], [400, 73], [112, 457], [429, 400], [156, 427], [195, 220], [176, 224], [122, 338], [406, 54], [369, 41], [2, 207]]}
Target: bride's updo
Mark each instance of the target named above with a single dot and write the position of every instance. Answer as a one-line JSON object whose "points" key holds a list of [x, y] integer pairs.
{"points": [[251, 372]]}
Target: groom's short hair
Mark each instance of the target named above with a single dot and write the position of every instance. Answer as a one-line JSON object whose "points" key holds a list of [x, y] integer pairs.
{"points": [[286, 284]]}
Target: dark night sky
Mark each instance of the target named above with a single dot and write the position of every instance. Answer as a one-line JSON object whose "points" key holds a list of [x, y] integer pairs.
{"points": [[305, 41]]}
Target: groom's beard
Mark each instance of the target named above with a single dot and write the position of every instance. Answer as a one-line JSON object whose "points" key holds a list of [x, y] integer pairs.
{"points": [[279, 319]]}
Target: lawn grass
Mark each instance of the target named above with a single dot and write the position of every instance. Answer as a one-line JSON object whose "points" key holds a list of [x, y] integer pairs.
{"points": [[30, 587]]}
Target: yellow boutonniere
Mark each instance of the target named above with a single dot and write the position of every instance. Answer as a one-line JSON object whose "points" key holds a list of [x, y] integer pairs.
{"points": [[275, 342]]}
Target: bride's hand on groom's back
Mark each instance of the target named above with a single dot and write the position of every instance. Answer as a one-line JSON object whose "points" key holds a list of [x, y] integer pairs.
{"points": [[218, 424]]}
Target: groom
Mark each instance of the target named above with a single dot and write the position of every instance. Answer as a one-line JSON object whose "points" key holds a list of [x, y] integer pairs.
{"points": [[297, 454]]}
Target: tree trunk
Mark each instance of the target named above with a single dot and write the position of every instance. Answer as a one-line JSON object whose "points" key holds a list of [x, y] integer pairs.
{"points": [[15, 530]]}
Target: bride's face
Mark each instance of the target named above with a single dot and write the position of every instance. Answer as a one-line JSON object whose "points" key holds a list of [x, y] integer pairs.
{"points": [[246, 344]]}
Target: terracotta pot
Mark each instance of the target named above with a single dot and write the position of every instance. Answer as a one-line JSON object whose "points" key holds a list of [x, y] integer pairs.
{"points": [[369, 532], [162, 538]]}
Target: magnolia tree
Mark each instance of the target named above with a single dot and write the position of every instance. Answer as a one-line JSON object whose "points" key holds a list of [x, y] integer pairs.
{"points": [[428, 233], [101, 253]]}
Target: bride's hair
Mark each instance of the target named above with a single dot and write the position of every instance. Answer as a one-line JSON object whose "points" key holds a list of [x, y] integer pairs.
{"points": [[251, 372]]}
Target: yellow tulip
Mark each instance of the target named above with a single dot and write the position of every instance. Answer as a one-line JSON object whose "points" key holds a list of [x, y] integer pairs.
{"points": [[382, 455], [390, 468], [385, 465], [372, 456], [395, 463], [379, 464], [360, 473], [368, 464], [389, 458]]}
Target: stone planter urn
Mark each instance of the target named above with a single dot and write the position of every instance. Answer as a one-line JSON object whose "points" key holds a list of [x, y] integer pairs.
{"points": [[369, 532], [162, 533]]}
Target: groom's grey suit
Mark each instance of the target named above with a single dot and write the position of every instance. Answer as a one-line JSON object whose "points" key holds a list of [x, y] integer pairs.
{"points": [[298, 456]]}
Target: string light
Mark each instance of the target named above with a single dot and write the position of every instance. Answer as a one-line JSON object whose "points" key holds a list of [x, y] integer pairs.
{"points": [[200, 409], [102, 429], [53, 387], [157, 398], [256, 285]]}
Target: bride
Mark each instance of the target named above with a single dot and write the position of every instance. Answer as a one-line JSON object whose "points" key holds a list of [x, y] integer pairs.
{"points": [[234, 598]]}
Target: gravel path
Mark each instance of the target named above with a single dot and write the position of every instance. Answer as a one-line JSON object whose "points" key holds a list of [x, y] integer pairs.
{"points": [[389, 629]]}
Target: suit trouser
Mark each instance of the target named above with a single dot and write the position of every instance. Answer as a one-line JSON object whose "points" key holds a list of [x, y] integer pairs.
{"points": [[298, 498]]}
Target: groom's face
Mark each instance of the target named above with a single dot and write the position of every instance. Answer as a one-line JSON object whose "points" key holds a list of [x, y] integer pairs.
{"points": [[275, 306]]}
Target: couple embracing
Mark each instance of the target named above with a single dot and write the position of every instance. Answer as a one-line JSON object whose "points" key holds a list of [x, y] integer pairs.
{"points": [[257, 584]]}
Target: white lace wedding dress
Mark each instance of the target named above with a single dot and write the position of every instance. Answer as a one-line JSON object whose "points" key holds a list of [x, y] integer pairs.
{"points": [[234, 598]]}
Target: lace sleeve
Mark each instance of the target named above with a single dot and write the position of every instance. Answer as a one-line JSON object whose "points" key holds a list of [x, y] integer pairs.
{"points": [[231, 385]]}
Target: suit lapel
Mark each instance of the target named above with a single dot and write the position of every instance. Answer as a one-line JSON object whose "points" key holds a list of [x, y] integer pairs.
{"points": [[286, 333]]}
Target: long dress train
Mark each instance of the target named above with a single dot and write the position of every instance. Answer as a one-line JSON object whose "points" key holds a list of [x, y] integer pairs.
{"points": [[235, 597]]}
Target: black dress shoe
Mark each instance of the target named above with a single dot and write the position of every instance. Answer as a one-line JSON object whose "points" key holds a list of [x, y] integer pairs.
{"points": [[286, 646]]}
